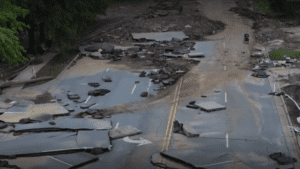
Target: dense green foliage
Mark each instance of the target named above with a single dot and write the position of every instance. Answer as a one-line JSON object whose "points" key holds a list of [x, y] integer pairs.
{"points": [[64, 20], [278, 54], [10, 48]]}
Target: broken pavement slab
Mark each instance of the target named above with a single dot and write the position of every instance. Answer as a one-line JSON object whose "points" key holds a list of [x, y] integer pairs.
{"points": [[34, 111], [4, 105], [156, 160], [213, 157], [210, 106], [160, 36], [47, 142], [123, 132], [189, 131], [65, 124], [73, 160], [95, 138]]}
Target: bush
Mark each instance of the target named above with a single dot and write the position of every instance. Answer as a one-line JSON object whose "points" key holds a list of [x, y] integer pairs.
{"points": [[278, 54]]}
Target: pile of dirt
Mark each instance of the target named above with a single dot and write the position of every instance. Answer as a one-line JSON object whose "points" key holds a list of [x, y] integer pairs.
{"points": [[163, 16]]}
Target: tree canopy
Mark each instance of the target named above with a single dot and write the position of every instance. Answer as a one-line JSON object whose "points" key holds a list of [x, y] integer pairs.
{"points": [[65, 20], [10, 47]]}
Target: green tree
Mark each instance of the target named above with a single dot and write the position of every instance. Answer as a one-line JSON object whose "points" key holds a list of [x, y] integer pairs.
{"points": [[64, 20], [10, 48]]}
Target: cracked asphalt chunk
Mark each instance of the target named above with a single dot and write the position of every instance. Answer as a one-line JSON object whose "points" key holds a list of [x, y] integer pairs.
{"points": [[123, 132], [95, 138], [65, 124], [48, 142]]}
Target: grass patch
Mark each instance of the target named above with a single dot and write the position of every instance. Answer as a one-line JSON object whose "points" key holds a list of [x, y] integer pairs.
{"points": [[54, 67], [278, 54]]}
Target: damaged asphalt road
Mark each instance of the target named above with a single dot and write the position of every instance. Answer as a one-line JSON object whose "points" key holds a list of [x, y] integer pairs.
{"points": [[92, 123]]}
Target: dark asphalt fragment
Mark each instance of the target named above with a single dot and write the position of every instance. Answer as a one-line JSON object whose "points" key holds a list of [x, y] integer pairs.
{"points": [[73, 97], [193, 106], [97, 116], [85, 106], [178, 127], [3, 125], [95, 84], [279, 94], [52, 123], [136, 82], [106, 79], [272, 93], [26, 121], [282, 159], [143, 74], [144, 94], [94, 138], [192, 102], [98, 92], [123, 132]]}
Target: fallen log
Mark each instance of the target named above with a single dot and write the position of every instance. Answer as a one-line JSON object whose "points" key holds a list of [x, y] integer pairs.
{"points": [[16, 82]]}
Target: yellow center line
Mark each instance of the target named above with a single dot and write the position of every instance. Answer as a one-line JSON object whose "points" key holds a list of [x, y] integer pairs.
{"points": [[168, 128], [169, 121], [173, 117]]}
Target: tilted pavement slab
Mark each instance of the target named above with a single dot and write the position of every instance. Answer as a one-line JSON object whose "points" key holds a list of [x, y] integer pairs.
{"points": [[65, 124]]}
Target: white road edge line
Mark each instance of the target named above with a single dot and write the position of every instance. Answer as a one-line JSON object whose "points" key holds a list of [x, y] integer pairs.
{"points": [[87, 99], [117, 125], [225, 97], [133, 89], [107, 69], [149, 85], [227, 143], [224, 67], [274, 87], [60, 161], [93, 106]]}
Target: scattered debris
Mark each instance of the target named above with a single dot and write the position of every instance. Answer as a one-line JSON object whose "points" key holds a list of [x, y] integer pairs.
{"points": [[260, 74], [282, 159], [98, 92], [72, 96], [144, 94], [87, 105], [192, 102], [123, 132], [143, 74], [159, 36], [106, 79], [257, 54], [193, 106], [178, 127]]}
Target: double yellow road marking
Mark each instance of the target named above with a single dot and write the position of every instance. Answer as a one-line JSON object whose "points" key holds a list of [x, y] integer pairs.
{"points": [[172, 116]]}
